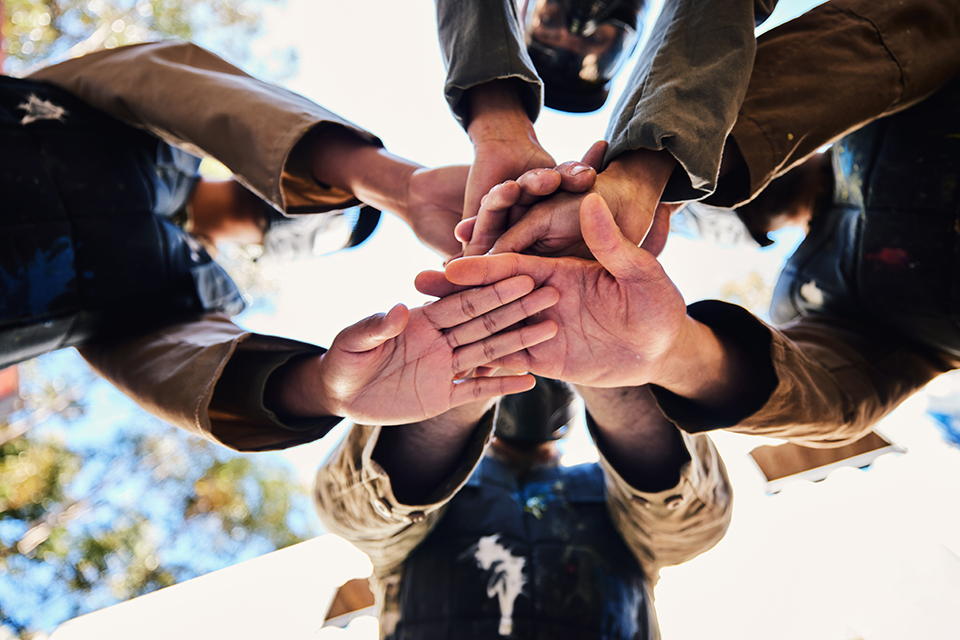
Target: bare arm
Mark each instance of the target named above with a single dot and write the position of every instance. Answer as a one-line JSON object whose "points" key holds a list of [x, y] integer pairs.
{"points": [[419, 457], [644, 447]]}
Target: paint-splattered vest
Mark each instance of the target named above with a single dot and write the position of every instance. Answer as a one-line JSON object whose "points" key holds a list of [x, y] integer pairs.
{"points": [[536, 559], [887, 247], [84, 249]]}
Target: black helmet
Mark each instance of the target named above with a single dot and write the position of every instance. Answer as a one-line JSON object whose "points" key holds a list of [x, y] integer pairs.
{"points": [[578, 46], [538, 415]]}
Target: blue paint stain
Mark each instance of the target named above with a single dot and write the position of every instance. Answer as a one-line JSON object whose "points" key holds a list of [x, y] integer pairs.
{"points": [[621, 604], [38, 283]]}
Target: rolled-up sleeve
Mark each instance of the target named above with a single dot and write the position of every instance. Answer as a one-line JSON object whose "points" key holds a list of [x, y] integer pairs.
{"points": [[672, 526], [196, 101], [686, 89], [835, 69], [482, 41], [355, 499]]}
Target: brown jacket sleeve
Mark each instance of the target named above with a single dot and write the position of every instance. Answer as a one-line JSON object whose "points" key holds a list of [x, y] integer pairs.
{"points": [[194, 100], [833, 70], [672, 526], [826, 381], [173, 372], [837, 379]]}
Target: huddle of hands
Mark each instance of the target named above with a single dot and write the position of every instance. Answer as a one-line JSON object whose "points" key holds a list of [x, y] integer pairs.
{"points": [[544, 282]]}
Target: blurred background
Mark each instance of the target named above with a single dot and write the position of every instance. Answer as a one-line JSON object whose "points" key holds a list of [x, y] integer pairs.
{"points": [[101, 503]]}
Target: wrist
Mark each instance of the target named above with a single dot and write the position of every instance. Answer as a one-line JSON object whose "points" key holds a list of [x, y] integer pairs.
{"points": [[298, 390], [698, 366], [632, 185], [497, 114], [373, 175]]}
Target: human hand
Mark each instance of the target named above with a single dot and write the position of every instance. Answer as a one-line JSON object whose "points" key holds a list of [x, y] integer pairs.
{"points": [[481, 232], [620, 318], [435, 205], [405, 366], [631, 186], [504, 142]]}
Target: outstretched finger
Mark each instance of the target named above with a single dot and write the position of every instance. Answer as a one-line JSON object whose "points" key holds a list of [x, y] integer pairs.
{"points": [[481, 270], [492, 219], [435, 283], [465, 306], [471, 389], [496, 347], [373, 331], [499, 319], [619, 256]]}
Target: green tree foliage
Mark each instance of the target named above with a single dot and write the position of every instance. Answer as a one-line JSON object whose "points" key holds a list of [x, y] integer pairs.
{"points": [[37, 32], [100, 502]]}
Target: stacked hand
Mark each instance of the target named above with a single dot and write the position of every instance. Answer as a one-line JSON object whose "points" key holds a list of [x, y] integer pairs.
{"points": [[407, 365], [620, 318], [545, 221]]}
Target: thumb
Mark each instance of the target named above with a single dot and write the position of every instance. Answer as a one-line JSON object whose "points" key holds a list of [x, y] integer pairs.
{"points": [[595, 154], [372, 332], [619, 256]]}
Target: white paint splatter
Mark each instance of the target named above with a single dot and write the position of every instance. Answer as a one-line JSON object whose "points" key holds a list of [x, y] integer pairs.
{"points": [[38, 109], [812, 294], [507, 580]]}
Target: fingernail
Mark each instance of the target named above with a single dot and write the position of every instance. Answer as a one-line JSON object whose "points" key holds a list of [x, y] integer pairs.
{"points": [[580, 168]]}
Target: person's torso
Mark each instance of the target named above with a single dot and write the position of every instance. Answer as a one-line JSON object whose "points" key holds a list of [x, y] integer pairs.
{"points": [[529, 560], [887, 246], [85, 247]]}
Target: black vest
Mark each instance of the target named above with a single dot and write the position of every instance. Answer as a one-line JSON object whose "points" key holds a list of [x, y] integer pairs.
{"points": [[85, 251], [887, 247], [552, 529]]}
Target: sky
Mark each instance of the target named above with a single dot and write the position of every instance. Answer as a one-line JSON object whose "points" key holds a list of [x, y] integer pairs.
{"points": [[864, 554]]}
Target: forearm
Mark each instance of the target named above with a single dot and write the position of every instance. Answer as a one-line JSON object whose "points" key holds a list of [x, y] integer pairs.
{"points": [[345, 161], [495, 112], [645, 448], [419, 457], [721, 365]]}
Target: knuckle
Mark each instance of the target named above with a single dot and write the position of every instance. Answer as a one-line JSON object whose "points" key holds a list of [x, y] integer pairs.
{"points": [[467, 306], [489, 350]]}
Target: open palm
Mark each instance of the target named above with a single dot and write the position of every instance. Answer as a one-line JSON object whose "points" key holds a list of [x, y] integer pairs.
{"points": [[406, 366], [618, 317]]}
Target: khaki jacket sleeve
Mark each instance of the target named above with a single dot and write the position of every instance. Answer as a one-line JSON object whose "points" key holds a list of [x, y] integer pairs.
{"points": [[172, 373], [836, 379], [675, 525], [825, 381], [355, 500], [835, 69], [687, 87], [482, 41], [194, 100]]}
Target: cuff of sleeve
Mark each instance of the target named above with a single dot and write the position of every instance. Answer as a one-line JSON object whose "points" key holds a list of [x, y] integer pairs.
{"points": [[751, 338], [240, 389], [300, 191], [529, 89], [389, 507], [685, 491]]}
